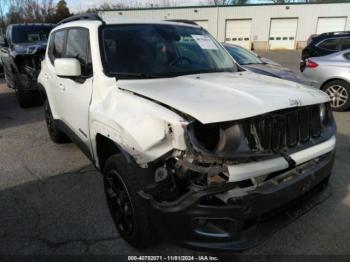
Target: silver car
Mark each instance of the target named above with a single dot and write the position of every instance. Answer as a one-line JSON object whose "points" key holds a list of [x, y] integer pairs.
{"points": [[252, 62], [332, 75]]}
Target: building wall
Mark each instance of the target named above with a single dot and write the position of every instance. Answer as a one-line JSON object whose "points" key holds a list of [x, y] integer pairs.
{"points": [[261, 15]]}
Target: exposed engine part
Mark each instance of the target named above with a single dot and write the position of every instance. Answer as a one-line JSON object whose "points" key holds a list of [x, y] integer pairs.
{"points": [[160, 174]]}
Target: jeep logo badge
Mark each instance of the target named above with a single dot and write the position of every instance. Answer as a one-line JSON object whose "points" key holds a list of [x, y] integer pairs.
{"points": [[295, 102]]}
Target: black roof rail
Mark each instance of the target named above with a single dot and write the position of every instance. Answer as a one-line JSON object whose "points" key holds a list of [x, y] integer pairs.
{"points": [[182, 21], [86, 16], [336, 33]]}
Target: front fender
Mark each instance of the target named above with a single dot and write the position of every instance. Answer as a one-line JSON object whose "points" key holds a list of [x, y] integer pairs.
{"points": [[144, 129]]}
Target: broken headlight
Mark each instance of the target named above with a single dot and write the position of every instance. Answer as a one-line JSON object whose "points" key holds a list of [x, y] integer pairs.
{"points": [[216, 138]]}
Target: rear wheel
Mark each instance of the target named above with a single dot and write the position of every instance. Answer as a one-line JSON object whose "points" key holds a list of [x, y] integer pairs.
{"points": [[56, 135], [126, 206], [339, 92]]}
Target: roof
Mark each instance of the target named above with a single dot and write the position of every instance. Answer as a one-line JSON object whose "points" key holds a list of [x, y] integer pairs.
{"points": [[330, 35], [87, 19], [118, 20]]}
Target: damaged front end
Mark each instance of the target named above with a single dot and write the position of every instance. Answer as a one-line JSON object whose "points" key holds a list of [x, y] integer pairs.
{"points": [[240, 181], [27, 62]]}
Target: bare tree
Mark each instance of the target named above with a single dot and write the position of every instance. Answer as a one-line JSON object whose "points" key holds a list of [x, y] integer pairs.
{"points": [[2, 16], [30, 11]]}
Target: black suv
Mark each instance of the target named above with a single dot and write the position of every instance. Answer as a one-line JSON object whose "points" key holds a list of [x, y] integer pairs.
{"points": [[21, 53], [325, 44]]}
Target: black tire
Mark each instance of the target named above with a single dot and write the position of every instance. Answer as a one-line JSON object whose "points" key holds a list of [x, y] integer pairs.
{"points": [[339, 92], [25, 98], [56, 135], [126, 206]]}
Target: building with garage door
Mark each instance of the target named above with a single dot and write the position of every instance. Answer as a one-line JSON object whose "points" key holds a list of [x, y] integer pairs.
{"points": [[264, 26]]}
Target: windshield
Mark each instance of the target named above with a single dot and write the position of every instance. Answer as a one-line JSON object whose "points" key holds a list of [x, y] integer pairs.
{"points": [[161, 50], [28, 34], [243, 56]]}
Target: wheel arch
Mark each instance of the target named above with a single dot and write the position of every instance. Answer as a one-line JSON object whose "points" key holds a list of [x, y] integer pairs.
{"points": [[333, 79], [106, 147], [42, 92]]}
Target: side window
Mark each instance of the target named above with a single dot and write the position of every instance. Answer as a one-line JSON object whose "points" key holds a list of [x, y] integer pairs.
{"points": [[78, 47], [347, 56], [345, 44], [330, 44]]}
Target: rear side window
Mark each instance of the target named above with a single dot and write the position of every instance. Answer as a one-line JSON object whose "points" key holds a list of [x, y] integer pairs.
{"points": [[347, 56], [78, 47], [345, 44], [330, 44]]}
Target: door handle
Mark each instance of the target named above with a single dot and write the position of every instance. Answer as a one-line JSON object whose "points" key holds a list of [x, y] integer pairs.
{"points": [[62, 87]]}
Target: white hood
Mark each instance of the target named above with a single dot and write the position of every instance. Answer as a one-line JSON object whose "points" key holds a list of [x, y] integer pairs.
{"points": [[219, 97]]}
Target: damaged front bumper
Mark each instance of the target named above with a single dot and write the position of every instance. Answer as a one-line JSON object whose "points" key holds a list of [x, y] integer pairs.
{"points": [[249, 213]]}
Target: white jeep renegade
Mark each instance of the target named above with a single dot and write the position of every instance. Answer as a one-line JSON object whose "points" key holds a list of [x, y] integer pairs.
{"points": [[191, 147]]}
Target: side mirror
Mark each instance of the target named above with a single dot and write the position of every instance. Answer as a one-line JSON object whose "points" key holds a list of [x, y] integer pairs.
{"points": [[67, 67]]}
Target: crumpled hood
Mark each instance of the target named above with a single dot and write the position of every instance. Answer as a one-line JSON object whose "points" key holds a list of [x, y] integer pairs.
{"points": [[29, 48], [277, 71], [219, 97]]}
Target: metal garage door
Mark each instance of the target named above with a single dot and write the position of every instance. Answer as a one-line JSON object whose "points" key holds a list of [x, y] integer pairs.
{"points": [[238, 32], [282, 33], [202, 23], [330, 24]]}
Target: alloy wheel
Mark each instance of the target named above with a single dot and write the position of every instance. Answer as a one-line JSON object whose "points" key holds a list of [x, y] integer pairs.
{"points": [[119, 202], [338, 95]]}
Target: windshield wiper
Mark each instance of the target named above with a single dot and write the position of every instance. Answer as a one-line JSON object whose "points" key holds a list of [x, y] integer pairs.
{"points": [[131, 75]]}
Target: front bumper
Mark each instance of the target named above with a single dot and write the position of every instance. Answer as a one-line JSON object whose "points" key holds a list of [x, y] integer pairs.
{"points": [[252, 213]]}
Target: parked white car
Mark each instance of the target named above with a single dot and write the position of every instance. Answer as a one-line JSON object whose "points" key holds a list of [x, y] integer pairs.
{"points": [[189, 146]]}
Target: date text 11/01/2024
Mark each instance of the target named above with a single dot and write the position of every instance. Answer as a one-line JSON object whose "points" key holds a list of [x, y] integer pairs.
{"points": [[173, 258]]}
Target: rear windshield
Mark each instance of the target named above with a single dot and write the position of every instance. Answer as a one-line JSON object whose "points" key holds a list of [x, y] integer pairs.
{"points": [[28, 34]]}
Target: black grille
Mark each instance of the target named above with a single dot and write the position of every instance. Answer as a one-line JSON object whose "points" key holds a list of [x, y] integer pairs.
{"points": [[283, 129]]}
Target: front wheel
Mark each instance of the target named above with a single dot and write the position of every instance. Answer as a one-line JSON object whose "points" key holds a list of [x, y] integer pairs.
{"points": [[338, 91], [125, 205]]}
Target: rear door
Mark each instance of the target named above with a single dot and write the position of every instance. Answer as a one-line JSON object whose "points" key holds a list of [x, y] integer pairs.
{"points": [[55, 50], [75, 93]]}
